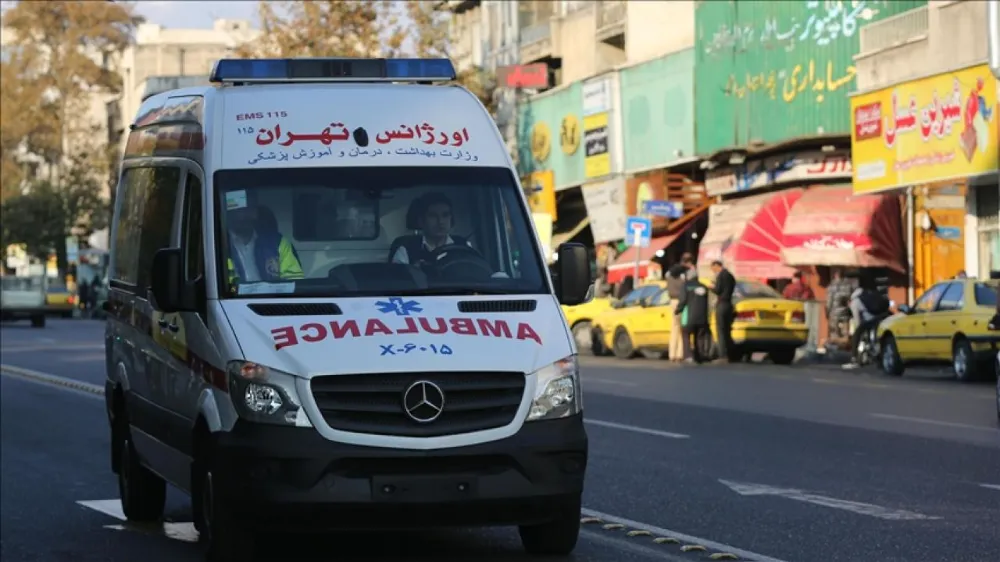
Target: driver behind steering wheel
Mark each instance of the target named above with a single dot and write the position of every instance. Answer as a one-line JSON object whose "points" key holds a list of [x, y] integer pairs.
{"points": [[434, 214]]}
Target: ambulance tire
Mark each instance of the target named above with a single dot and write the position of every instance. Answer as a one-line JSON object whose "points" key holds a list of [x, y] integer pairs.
{"points": [[143, 493], [558, 537], [38, 321], [224, 537]]}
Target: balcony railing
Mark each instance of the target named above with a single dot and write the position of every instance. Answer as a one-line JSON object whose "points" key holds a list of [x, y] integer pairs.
{"points": [[535, 33], [894, 30], [611, 13]]}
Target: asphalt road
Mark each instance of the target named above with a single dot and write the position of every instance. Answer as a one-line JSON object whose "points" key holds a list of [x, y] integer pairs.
{"points": [[775, 464]]}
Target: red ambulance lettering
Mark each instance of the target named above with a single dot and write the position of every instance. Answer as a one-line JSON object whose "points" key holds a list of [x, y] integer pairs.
{"points": [[284, 337], [313, 332], [497, 328]]}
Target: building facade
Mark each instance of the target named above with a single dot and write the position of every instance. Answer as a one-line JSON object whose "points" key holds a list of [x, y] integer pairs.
{"points": [[160, 54], [926, 127]]}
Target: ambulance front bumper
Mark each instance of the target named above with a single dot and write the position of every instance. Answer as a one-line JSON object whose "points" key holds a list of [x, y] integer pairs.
{"points": [[294, 479]]}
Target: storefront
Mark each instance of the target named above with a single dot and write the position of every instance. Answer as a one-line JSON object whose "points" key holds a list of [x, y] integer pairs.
{"points": [[940, 150]]}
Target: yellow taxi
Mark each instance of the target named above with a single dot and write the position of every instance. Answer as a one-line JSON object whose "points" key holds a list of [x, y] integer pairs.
{"points": [[579, 318], [596, 337], [764, 322], [949, 322], [59, 300]]}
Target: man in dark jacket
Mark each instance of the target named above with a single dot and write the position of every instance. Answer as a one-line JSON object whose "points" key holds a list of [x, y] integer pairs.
{"points": [[725, 286], [693, 310]]}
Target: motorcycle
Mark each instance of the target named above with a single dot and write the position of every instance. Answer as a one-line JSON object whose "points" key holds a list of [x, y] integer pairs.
{"points": [[868, 349]]}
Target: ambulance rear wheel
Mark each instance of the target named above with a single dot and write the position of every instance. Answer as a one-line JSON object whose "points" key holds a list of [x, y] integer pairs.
{"points": [[558, 537]]}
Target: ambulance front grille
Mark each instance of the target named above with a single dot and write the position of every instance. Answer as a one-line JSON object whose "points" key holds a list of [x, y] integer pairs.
{"points": [[373, 403]]}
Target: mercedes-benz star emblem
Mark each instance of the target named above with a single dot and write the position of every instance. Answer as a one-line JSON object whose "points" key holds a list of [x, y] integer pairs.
{"points": [[423, 401]]}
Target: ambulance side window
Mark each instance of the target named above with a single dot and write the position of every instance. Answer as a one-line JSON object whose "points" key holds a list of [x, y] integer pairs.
{"points": [[157, 219], [193, 236]]}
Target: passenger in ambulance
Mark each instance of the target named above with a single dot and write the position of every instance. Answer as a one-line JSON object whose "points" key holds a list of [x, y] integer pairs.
{"points": [[257, 249]]}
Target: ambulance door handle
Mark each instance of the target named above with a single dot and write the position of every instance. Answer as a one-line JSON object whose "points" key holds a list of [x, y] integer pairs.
{"points": [[162, 323], [173, 328]]}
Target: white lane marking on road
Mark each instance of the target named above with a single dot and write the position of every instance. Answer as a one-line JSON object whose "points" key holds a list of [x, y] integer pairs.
{"points": [[743, 554], [92, 390], [179, 531], [636, 429], [610, 381], [872, 510], [31, 348], [991, 486], [935, 422]]}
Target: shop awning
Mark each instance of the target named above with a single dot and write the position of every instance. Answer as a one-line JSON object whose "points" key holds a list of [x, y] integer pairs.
{"points": [[831, 226], [625, 263], [746, 234]]}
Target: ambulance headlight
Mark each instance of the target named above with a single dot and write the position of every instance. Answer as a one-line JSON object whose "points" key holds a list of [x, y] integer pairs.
{"points": [[557, 391], [265, 395]]}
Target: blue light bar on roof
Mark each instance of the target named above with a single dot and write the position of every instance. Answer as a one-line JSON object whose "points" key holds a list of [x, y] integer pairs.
{"points": [[332, 70]]}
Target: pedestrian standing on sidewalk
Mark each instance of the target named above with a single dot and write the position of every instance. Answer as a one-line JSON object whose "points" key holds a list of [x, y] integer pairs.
{"points": [[798, 289], [725, 286], [693, 311], [676, 278]]}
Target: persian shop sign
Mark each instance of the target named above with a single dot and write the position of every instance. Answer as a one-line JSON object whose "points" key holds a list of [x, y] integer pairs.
{"points": [[819, 167], [938, 128]]}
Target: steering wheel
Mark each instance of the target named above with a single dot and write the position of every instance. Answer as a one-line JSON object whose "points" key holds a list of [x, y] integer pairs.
{"points": [[460, 260]]}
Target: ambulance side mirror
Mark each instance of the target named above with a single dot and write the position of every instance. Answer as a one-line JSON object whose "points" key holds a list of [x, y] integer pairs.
{"points": [[573, 279], [171, 292]]}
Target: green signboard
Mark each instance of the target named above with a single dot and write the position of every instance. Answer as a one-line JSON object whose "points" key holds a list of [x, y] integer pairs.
{"points": [[658, 110], [550, 135], [771, 71]]}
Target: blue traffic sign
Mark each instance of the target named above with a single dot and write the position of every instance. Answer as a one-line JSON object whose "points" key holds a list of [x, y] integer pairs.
{"points": [[638, 231], [669, 209]]}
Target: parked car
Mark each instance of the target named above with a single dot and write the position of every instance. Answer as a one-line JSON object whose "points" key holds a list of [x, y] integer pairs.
{"points": [[602, 320], [580, 317], [764, 322], [59, 300], [949, 322]]}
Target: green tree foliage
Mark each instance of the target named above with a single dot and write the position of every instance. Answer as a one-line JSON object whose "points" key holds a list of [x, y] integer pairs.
{"points": [[43, 216], [55, 62], [321, 28]]}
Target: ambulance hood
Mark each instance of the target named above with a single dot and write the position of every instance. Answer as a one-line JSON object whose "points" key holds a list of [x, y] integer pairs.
{"points": [[399, 334]]}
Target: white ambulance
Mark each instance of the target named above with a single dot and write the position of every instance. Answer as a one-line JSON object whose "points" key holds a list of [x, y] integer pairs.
{"points": [[328, 309]]}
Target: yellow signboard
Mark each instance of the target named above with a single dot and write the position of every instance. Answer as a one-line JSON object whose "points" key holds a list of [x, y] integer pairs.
{"points": [[569, 134], [541, 190], [597, 153], [938, 128], [541, 141]]}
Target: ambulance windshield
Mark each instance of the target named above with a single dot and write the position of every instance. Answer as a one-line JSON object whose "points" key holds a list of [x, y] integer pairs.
{"points": [[365, 231]]}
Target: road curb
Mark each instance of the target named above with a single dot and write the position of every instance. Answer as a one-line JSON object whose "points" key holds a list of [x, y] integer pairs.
{"points": [[54, 380]]}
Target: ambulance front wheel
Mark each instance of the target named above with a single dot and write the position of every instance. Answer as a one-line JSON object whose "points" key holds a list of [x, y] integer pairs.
{"points": [[557, 537]]}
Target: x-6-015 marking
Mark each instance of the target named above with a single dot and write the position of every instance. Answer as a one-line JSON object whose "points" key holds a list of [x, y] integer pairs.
{"points": [[423, 401], [404, 349]]}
